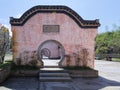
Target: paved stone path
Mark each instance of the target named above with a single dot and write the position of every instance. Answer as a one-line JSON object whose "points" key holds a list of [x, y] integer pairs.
{"points": [[109, 79], [108, 69]]}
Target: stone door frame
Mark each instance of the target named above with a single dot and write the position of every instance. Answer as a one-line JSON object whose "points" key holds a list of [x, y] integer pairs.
{"points": [[59, 44]]}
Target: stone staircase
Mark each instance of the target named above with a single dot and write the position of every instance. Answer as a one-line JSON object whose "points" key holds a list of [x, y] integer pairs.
{"points": [[53, 75]]}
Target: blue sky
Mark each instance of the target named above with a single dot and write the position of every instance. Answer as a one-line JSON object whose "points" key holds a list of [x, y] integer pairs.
{"points": [[107, 11]]}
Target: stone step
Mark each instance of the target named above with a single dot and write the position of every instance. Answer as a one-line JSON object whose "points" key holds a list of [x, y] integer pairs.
{"points": [[54, 79], [51, 67], [55, 71], [51, 70], [55, 74]]}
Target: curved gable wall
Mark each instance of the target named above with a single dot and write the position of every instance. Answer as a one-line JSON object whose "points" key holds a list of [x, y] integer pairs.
{"points": [[28, 32]]}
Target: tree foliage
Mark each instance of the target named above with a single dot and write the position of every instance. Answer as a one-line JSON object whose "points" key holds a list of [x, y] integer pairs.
{"points": [[4, 42], [108, 42]]}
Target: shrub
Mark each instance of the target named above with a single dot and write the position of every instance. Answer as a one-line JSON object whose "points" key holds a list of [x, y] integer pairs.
{"points": [[23, 67], [6, 64]]}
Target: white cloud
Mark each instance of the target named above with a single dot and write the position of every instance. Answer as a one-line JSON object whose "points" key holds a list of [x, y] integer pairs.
{"points": [[18, 16]]}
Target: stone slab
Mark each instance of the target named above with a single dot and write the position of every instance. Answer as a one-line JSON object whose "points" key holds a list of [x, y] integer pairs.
{"points": [[53, 79], [58, 86], [83, 73], [54, 74], [52, 69]]}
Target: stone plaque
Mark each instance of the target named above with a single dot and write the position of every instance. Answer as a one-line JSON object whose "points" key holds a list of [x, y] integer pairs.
{"points": [[51, 28]]}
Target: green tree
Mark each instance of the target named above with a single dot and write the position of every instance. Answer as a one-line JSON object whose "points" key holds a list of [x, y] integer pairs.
{"points": [[4, 42], [108, 42]]}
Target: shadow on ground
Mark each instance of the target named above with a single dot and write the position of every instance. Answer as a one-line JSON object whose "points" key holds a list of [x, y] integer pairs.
{"points": [[32, 83], [95, 83], [20, 83]]}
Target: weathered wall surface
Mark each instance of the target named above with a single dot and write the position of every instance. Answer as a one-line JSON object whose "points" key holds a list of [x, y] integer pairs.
{"points": [[30, 36], [53, 49]]}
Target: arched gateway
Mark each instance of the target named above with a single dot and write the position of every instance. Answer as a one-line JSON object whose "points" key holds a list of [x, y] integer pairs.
{"points": [[55, 32], [51, 50]]}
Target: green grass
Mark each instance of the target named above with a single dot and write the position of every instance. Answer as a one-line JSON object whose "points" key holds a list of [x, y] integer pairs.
{"points": [[17, 67], [77, 68], [116, 59], [5, 64], [24, 67]]}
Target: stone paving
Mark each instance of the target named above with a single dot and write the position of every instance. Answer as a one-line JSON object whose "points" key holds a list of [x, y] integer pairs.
{"points": [[108, 69], [109, 79], [20, 83]]}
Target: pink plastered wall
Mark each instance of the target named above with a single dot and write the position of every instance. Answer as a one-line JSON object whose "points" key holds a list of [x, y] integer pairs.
{"points": [[30, 36]]}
